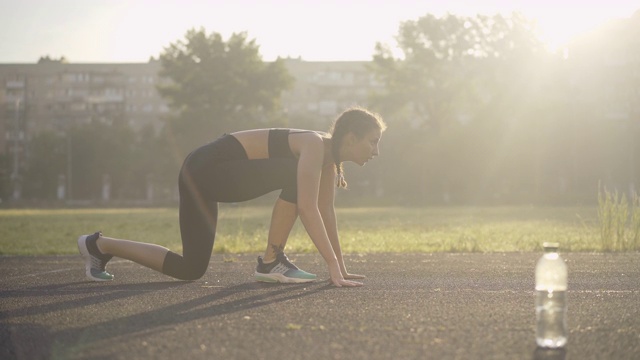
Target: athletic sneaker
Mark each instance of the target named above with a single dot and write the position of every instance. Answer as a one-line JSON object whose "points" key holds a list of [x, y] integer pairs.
{"points": [[95, 262], [281, 270]]}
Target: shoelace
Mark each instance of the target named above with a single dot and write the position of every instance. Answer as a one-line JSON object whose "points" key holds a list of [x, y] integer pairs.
{"points": [[285, 261], [98, 263]]}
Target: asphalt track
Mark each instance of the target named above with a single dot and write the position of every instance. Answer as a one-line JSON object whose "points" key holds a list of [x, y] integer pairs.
{"points": [[413, 306]]}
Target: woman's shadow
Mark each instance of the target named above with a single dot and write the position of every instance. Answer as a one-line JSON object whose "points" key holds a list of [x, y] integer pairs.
{"points": [[221, 301], [224, 300]]}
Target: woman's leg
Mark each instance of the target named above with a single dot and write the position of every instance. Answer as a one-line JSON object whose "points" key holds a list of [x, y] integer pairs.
{"points": [[257, 177], [198, 222], [232, 181], [149, 255], [98, 250], [198, 219], [283, 217], [275, 266], [197, 225]]}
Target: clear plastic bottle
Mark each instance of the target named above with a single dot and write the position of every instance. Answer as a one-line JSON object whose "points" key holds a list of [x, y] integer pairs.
{"points": [[551, 299]]}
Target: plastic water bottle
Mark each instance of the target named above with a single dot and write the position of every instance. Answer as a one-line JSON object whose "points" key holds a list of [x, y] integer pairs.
{"points": [[551, 299]]}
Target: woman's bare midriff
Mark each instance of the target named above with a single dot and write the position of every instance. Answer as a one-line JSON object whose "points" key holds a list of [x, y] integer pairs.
{"points": [[254, 142]]}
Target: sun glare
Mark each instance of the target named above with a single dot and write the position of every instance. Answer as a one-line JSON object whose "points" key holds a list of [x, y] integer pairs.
{"points": [[330, 34], [559, 26], [134, 30]]}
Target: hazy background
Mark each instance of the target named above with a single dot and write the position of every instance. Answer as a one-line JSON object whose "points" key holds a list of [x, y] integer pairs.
{"points": [[487, 102], [132, 31]]}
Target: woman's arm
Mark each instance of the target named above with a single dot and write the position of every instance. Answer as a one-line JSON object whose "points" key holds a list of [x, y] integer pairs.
{"points": [[309, 174], [328, 213]]}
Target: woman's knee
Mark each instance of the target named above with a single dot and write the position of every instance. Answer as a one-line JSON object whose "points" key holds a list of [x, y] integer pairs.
{"points": [[180, 268], [194, 273]]}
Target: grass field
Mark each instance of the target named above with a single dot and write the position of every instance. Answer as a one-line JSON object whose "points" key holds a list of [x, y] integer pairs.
{"points": [[243, 229]]}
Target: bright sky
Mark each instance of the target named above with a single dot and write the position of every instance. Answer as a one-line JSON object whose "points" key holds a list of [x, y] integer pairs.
{"points": [[134, 30]]}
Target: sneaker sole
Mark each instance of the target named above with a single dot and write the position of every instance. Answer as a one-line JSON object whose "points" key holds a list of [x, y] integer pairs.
{"points": [[84, 251], [275, 278]]}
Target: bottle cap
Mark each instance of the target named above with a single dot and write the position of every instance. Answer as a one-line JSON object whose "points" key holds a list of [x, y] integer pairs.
{"points": [[550, 246]]}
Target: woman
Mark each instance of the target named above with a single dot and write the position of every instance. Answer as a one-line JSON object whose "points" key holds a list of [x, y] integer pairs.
{"points": [[242, 166]]}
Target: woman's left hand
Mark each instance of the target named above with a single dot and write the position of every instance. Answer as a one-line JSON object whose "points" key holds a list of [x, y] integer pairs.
{"points": [[353, 276]]}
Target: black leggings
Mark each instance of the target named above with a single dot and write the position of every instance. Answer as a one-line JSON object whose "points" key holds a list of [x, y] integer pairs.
{"points": [[220, 172]]}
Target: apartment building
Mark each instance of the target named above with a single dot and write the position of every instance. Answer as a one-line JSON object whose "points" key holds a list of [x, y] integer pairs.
{"points": [[53, 95], [323, 89]]}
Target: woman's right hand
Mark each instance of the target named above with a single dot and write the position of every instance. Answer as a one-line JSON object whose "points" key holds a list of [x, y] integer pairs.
{"points": [[339, 281]]}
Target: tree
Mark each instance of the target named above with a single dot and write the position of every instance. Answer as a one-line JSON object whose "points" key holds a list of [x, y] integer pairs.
{"points": [[152, 163], [98, 150], [447, 61], [604, 63], [215, 86], [47, 160], [49, 60], [458, 87], [5, 182]]}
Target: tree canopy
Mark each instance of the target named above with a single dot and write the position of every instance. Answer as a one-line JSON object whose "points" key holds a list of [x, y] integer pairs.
{"points": [[214, 86], [443, 60], [468, 96]]}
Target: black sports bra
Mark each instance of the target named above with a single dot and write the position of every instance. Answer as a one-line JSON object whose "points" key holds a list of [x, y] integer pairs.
{"points": [[279, 142]]}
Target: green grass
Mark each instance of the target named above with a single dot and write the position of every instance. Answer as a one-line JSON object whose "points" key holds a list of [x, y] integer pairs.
{"points": [[619, 219], [243, 229]]}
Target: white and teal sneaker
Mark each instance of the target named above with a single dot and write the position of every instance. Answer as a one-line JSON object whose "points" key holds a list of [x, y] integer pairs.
{"points": [[95, 262], [281, 270]]}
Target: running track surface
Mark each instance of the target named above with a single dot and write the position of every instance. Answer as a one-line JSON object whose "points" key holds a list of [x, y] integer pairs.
{"points": [[412, 306]]}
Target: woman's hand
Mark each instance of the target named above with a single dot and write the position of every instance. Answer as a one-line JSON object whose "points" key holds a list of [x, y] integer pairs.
{"points": [[338, 280], [346, 283], [346, 275], [352, 276]]}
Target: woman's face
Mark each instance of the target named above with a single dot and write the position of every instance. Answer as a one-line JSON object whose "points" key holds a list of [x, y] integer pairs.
{"points": [[361, 150]]}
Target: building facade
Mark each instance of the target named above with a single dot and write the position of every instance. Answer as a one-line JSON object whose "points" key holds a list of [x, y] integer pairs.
{"points": [[54, 95], [323, 89]]}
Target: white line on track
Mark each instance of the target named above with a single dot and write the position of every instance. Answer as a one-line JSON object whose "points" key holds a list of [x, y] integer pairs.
{"points": [[79, 268]]}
